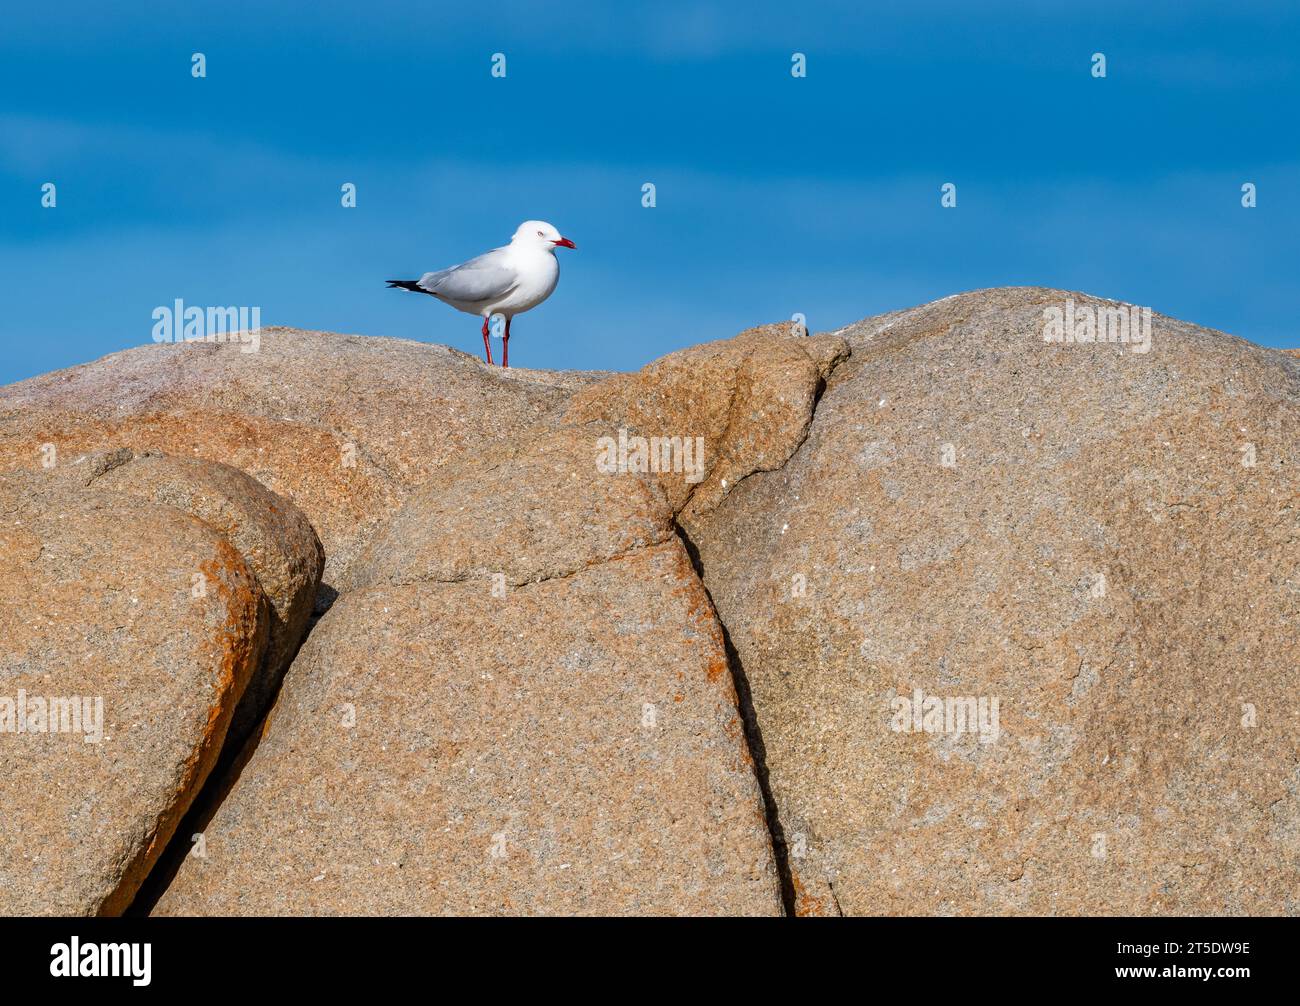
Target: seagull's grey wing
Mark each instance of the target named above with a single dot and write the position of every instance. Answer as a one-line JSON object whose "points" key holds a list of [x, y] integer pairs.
{"points": [[480, 279]]}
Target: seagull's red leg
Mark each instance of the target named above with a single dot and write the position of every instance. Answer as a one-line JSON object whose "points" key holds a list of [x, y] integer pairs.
{"points": [[505, 347], [487, 346]]}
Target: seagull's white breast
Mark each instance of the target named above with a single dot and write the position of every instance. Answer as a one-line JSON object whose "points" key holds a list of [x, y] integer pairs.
{"points": [[538, 272]]}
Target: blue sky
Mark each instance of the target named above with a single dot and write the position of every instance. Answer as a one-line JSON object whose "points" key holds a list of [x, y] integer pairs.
{"points": [[775, 195]]}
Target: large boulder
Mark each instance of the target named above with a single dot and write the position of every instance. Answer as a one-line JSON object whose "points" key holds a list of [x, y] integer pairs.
{"points": [[1097, 544], [204, 578], [118, 678], [569, 747]]}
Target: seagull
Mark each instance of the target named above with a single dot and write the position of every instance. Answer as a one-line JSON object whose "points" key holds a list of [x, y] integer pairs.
{"points": [[505, 281]]}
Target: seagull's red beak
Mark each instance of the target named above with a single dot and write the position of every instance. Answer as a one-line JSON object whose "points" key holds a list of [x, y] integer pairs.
{"points": [[565, 243]]}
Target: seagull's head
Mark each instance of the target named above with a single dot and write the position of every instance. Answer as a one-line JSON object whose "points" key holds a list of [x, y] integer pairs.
{"points": [[539, 232]]}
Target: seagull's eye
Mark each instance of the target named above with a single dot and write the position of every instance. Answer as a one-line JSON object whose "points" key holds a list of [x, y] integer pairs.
{"points": [[540, 234]]}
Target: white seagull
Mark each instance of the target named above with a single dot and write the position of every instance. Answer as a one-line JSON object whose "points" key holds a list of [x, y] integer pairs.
{"points": [[505, 281]]}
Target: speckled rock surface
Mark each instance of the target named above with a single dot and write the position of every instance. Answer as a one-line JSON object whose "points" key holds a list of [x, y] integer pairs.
{"points": [[540, 514], [749, 400], [98, 612], [343, 426], [543, 513], [547, 510], [1104, 541], [570, 747], [270, 534]]}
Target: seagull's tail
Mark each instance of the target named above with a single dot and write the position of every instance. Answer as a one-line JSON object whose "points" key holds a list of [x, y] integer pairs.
{"points": [[405, 284]]}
